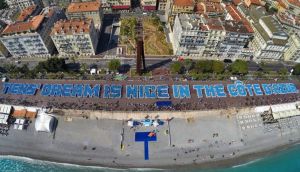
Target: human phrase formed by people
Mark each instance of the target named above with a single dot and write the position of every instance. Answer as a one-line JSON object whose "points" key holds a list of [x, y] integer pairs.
{"points": [[178, 91]]}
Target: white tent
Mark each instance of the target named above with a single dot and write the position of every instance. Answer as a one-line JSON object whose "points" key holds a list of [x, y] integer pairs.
{"points": [[44, 122], [5, 109]]}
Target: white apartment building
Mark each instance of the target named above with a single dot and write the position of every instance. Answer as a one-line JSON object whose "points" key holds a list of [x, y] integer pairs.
{"points": [[195, 36], [270, 41], [162, 5], [31, 38], [75, 37], [293, 52], [22, 4]]}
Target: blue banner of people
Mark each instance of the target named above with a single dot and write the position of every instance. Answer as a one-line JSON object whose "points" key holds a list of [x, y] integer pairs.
{"points": [[237, 89]]}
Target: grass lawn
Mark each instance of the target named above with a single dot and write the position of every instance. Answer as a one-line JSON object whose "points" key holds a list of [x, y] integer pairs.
{"points": [[127, 34], [154, 38]]}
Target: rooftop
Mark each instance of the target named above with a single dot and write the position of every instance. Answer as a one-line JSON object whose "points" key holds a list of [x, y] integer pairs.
{"points": [[198, 22], [282, 4], [72, 26], [237, 17], [276, 30], [253, 2], [209, 7], [30, 25], [184, 2], [294, 2], [26, 13], [274, 26], [84, 6], [19, 27], [289, 19], [236, 2]]}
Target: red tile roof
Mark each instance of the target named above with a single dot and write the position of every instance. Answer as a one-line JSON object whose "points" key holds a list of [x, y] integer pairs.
{"points": [[209, 7], [18, 27], [83, 6], [236, 2], [70, 26], [26, 13], [234, 13], [237, 17], [252, 2], [184, 3]]}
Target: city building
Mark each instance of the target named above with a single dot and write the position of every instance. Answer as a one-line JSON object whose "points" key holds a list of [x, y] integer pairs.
{"points": [[212, 9], [270, 41], [117, 5], [31, 38], [75, 37], [293, 52], [293, 6], [254, 2], [22, 4], [3, 51], [9, 15], [162, 4], [290, 21], [82, 10], [182, 6], [27, 12], [148, 5], [198, 36], [62, 3]]}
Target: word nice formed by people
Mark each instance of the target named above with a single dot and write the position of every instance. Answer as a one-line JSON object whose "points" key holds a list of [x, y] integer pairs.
{"points": [[184, 91]]}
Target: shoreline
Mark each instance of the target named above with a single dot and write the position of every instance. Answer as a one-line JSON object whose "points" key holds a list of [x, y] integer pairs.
{"points": [[226, 163]]}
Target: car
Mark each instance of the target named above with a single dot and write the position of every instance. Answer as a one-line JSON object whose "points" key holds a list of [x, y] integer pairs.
{"points": [[227, 61]]}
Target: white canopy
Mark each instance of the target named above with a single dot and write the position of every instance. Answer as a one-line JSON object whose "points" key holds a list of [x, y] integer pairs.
{"points": [[44, 122], [5, 109], [285, 110]]}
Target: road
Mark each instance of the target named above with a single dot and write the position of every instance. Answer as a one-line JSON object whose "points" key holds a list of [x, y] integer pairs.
{"points": [[101, 63]]}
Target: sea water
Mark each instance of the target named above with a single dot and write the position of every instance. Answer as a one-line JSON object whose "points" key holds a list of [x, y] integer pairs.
{"points": [[284, 161]]}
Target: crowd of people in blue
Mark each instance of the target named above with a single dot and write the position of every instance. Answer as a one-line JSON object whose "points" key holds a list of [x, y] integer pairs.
{"points": [[238, 89]]}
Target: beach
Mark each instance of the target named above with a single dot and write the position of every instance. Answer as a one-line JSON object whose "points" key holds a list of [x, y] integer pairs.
{"points": [[209, 138]]}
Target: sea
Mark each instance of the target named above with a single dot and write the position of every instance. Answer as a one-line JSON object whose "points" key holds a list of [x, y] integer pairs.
{"points": [[283, 161]]}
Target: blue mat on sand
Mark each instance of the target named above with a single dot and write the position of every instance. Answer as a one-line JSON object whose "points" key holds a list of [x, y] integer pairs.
{"points": [[143, 137]]}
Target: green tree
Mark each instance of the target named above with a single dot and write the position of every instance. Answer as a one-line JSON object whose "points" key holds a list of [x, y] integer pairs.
{"points": [[283, 71], [188, 64], [52, 65], [203, 66], [83, 67], [114, 65], [296, 69], [239, 67], [3, 4], [176, 67], [218, 67]]}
